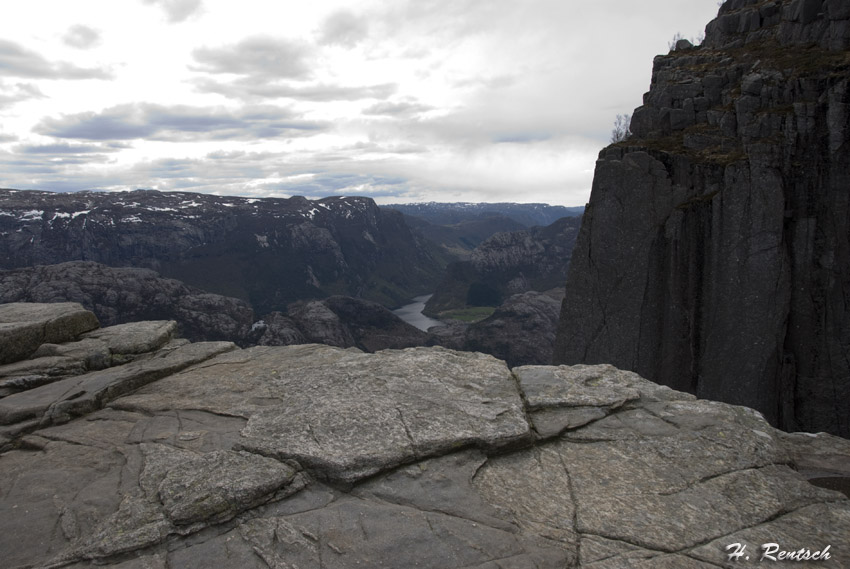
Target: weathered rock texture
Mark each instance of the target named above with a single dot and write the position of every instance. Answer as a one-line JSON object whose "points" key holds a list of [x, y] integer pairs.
{"points": [[521, 331], [24, 327], [714, 255], [315, 456]]}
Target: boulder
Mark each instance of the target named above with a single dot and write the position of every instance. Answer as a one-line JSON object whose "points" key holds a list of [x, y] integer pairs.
{"points": [[25, 326]]}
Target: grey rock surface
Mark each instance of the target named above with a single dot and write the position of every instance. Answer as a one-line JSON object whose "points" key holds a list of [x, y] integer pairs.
{"points": [[78, 395], [713, 255], [119, 295], [521, 331], [25, 326], [95, 350], [357, 414], [204, 455]]}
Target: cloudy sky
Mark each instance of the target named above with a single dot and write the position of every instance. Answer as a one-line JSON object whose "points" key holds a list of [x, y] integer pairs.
{"points": [[400, 100]]}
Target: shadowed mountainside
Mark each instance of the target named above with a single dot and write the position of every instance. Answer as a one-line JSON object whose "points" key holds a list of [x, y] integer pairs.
{"points": [[506, 264], [268, 252]]}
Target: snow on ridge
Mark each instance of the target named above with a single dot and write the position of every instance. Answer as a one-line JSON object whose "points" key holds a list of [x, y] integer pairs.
{"points": [[31, 214]]}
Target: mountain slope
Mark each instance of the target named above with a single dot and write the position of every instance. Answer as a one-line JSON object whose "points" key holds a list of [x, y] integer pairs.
{"points": [[506, 264]]}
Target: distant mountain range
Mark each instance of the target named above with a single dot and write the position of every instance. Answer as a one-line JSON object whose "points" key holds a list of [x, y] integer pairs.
{"points": [[268, 252], [283, 271], [526, 214], [460, 227]]}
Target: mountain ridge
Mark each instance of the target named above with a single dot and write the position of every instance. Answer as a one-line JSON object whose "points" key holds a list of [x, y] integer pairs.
{"points": [[275, 250]]}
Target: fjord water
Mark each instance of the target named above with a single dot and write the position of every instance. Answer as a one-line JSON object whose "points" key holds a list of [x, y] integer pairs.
{"points": [[412, 313]]}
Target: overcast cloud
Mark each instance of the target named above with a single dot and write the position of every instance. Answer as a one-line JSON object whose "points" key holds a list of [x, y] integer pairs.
{"points": [[401, 100], [18, 61], [180, 123], [81, 37], [177, 10]]}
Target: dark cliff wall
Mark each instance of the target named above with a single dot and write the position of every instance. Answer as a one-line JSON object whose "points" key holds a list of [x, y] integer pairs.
{"points": [[714, 255]]}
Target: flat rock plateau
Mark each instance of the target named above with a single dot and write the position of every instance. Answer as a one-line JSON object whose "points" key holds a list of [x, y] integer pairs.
{"points": [[126, 447]]}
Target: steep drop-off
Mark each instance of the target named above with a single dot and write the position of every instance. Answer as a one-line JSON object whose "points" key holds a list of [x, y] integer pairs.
{"points": [[714, 255]]}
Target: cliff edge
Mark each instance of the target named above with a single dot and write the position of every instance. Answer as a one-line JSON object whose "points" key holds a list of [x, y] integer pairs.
{"points": [[714, 255], [204, 455]]}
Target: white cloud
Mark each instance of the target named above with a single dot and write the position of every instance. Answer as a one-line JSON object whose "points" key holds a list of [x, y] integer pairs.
{"points": [[261, 58], [177, 10], [178, 123], [253, 89], [18, 61], [343, 28], [81, 37], [10, 94]]}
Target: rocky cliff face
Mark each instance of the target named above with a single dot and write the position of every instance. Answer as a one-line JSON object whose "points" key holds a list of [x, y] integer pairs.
{"points": [[204, 455], [521, 331], [714, 255], [506, 264], [268, 252]]}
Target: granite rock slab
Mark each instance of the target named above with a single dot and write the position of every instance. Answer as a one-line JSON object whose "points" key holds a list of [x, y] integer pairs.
{"points": [[25, 326]]}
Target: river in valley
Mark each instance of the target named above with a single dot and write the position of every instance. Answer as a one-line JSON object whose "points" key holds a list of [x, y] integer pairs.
{"points": [[412, 313]]}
